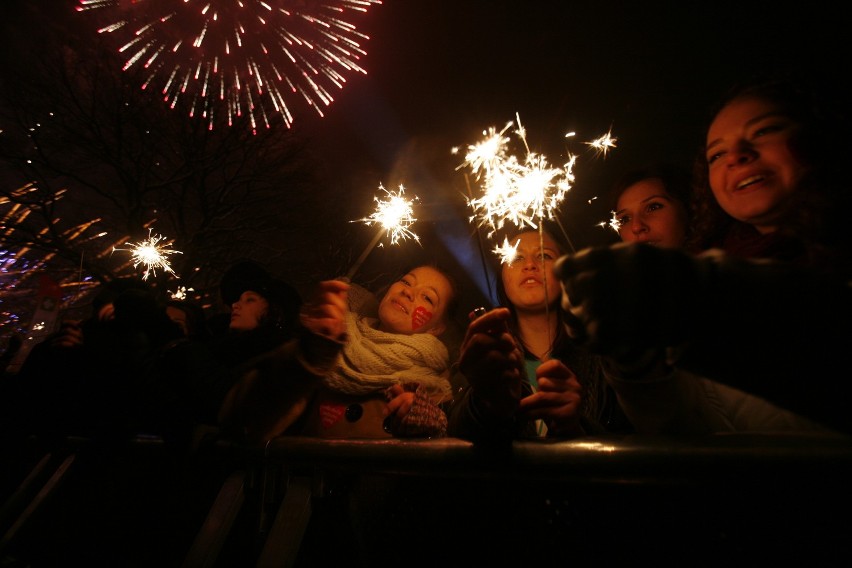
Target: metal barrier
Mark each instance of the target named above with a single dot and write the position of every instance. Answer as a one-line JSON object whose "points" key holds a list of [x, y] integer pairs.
{"points": [[731, 496]]}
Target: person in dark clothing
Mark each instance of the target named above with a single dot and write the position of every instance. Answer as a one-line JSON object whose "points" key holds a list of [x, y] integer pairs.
{"points": [[519, 374], [766, 308]]}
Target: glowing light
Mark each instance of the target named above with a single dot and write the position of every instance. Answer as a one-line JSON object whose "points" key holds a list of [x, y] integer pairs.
{"points": [[524, 190], [152, 254], [395, 215], [228, 58], [613, 223], [180, 293], [507, 251], [604, 143]]}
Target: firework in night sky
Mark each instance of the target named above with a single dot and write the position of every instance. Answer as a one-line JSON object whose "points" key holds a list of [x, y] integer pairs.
{"points": [[233, 58]]}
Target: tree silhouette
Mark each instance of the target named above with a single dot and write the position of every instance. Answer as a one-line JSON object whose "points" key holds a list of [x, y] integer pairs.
{"points": [[89, 162]]}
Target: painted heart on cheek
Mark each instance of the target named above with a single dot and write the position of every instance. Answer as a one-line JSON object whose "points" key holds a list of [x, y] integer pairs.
{"points": [[420, 317]]}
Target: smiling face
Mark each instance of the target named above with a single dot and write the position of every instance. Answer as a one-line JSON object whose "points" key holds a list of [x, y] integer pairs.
{"points": [[416, 303], [647, 213], [248, 311], [524, 278], [753, 168]]}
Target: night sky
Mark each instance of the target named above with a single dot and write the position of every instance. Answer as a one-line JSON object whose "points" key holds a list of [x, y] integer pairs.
{"points": [[442, 71]]}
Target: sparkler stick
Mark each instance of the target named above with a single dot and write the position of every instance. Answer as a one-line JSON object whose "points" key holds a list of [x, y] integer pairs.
{"points": [[395, 215], [481, 245], [365, 254]]}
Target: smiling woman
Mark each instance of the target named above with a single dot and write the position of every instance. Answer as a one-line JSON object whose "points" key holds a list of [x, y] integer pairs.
{"points": [[360, 367], [747, 335]]}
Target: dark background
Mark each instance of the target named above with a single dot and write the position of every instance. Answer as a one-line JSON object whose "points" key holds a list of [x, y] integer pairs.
{"points": [[440, 72]]}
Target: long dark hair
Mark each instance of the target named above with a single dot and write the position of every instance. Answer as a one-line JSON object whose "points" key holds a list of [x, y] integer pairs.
{"points": [[598, 401]]}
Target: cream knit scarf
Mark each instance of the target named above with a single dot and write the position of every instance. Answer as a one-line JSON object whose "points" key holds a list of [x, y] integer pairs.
{"points": [[374, 360]]}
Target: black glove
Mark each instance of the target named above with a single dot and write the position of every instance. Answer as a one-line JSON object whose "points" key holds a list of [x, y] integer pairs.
{"points": [[626, 299], [778, 330]]}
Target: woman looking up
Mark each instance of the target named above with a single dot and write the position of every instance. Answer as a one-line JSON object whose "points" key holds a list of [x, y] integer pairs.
{"points": [[519, 374]]}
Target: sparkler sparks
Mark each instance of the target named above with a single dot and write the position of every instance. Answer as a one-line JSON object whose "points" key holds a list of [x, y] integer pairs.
{"points": [[394, 215], [507, 251], [613, 223], [231, 58], [524, 190], [152, 254], [604, 143]]}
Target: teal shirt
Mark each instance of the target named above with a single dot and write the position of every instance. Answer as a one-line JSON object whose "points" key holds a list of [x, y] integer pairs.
{"points": [[531, 365]]}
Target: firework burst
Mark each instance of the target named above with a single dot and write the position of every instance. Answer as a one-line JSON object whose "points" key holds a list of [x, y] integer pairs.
{"points": [[232, 58]]}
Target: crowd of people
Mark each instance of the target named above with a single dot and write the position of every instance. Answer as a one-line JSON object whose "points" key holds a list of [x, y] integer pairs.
{"points": [[725, 308]]}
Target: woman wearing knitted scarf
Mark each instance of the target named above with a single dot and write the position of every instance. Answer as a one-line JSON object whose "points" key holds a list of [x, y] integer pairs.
{"points": [[359, 368]]}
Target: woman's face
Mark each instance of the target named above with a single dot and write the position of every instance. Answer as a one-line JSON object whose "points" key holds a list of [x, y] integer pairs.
{"points": [[247, 311], [647, 213], [753, 169], [531, 271], [416, 303]]}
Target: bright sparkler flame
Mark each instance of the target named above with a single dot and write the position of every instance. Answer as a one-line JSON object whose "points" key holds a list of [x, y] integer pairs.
{"points": [[604, 143], [181, 293], [152, 254], [234, 57], [395, 214], [524, 191], [507, 251], [613, 223]]}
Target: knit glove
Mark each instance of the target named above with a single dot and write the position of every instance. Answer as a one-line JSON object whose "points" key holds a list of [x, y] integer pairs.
{"points": [[425, 419]]}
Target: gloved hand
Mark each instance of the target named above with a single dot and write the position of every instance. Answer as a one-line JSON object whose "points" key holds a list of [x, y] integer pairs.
{"points": [[413, 414], [627, 299]]}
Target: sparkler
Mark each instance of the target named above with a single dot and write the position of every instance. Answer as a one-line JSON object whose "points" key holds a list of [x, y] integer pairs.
{"points": [[230, 58], [507, 251], [524, 190], [613, 223], [152, 254], [182, 293], [394, 215], [604, 143]]}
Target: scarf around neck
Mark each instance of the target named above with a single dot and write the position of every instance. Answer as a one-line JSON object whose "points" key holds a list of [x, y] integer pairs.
{"points": [[374, 360]]}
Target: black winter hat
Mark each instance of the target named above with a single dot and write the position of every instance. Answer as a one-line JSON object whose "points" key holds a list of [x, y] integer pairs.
{"points": [[111, 290], [248, 275]]}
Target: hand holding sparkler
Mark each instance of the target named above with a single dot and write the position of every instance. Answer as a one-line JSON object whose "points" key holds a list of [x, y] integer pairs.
{"points": [[394, 215]]}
